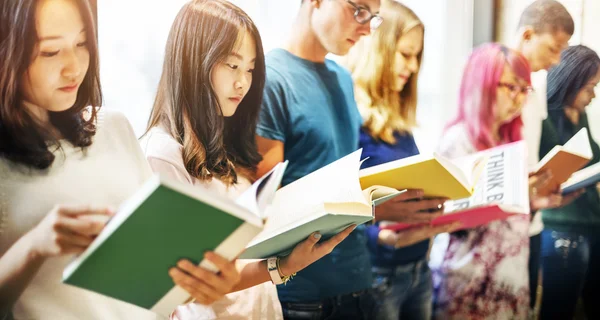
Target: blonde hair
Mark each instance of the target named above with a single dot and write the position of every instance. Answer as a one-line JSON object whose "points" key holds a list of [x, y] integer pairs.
{"points": [[371, 63]]}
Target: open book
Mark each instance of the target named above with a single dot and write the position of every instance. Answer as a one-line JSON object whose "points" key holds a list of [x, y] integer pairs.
{"points": [[327, 200], [163, 222], [437, 176], [502, 191], [565, 160], [582, 179]]}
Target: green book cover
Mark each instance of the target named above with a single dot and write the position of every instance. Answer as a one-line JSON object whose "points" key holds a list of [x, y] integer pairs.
{"points": [[162, 223]]}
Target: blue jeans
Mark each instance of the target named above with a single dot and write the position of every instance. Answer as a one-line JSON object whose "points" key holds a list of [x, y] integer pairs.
{"points": [[404, 292], [535, 253], [354, 306], [571, 269]]}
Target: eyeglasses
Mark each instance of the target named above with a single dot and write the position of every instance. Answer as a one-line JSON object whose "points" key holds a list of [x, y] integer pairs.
{"points": [[362, 15], [515, 89]]}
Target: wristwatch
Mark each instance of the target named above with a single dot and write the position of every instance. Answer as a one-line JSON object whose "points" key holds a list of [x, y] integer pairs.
{"points": [[277, 277], [274, 271]]}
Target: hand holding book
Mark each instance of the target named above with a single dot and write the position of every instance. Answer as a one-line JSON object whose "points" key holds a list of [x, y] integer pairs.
{"points": [[411, 207], [501, 192], [205, 286], [582, 179], [163, 222], [411, 236], [309, 251], [68, 229], [63, 231], [554, 199], [564, 161]]}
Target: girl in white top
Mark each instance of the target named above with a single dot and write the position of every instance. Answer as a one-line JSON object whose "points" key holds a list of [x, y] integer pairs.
{"points": [[201, 131], [62, 166]]}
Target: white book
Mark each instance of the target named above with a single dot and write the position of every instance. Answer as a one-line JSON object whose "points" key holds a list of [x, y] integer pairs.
{"points": [[582, 179], [327, 200]]}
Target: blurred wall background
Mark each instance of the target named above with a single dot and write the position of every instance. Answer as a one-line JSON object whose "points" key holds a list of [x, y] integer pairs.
{"points": [[133, 33]]}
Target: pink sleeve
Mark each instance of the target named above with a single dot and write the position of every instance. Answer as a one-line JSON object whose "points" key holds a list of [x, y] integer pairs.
{"points": [[169, 170]]}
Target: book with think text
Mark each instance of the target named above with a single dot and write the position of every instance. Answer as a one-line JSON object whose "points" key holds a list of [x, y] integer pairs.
{"points": [[502, 191]]}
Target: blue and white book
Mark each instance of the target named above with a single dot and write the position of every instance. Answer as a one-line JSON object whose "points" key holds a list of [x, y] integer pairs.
{"points": [[582, 179]]}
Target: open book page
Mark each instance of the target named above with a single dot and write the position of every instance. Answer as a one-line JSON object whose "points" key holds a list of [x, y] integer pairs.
{"points": [[374, 196], [504, 180], [377, 195], [579, 144], [334, 183], [262, 192], [466, 170]]}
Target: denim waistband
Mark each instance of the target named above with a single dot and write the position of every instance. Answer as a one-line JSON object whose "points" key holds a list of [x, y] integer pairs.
{"points": [[407, 267], [336, 300]]}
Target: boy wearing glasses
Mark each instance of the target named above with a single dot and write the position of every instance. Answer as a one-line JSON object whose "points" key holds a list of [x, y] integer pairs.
{"points": [[310, 118]]}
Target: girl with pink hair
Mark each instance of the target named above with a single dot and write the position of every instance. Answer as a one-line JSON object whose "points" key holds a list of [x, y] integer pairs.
{"points": [[484, 271]]}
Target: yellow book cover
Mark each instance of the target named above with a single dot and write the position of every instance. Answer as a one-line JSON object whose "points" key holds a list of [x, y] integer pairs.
{"points": [[435, 175]]}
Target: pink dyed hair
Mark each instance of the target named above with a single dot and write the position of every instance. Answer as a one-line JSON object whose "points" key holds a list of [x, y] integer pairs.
{"points": [[477, 97]]}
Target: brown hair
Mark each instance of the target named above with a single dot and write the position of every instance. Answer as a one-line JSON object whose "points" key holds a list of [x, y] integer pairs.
{"points": [[22, 138], [547, 16], [205, 33], [371, 63]]}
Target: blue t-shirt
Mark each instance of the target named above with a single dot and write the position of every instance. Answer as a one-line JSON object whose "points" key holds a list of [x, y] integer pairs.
{"points": [[310, 107], [381, 152]]}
